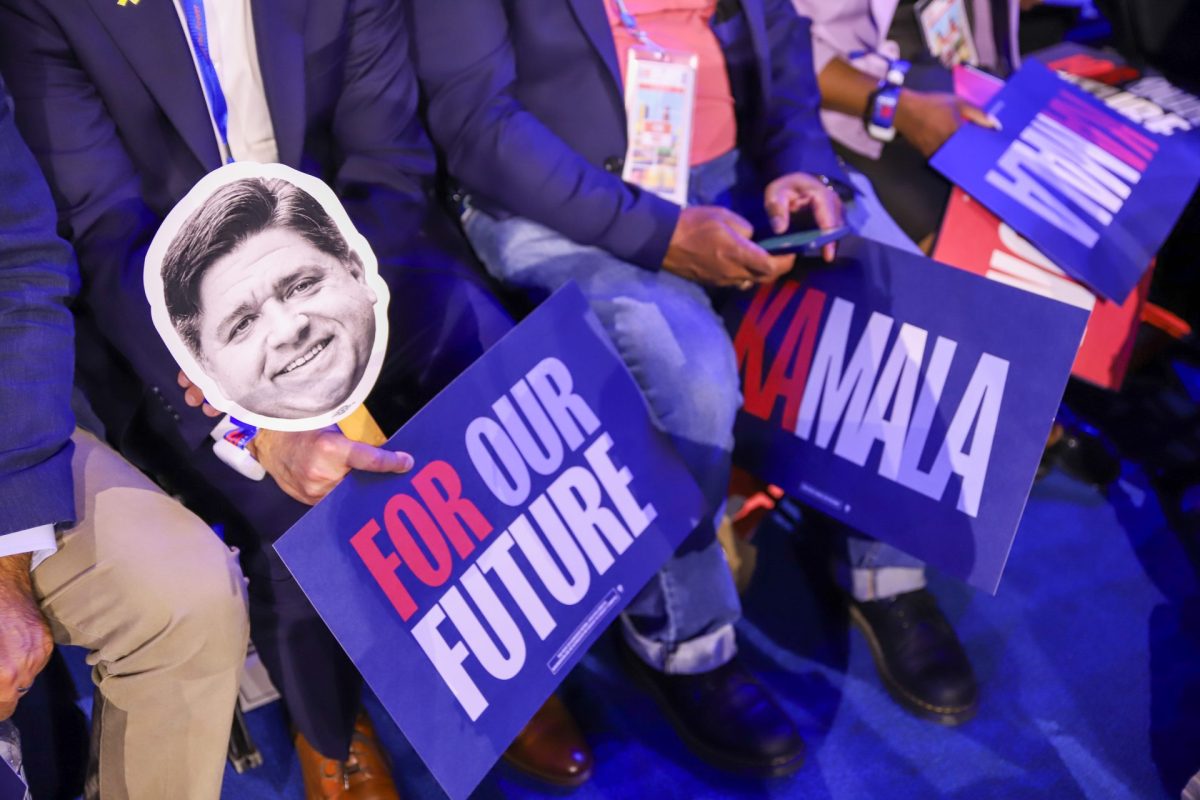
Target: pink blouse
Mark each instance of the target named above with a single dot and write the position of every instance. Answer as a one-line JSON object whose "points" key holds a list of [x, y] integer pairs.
{"points": [[684, 25]]}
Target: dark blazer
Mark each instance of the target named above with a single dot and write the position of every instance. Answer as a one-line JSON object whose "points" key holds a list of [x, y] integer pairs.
{"points": [[525, 99], [108, 99], [37, 277]]}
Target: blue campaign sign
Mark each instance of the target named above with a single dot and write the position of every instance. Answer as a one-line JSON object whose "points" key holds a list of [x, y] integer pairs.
{"points": [[908, 399], [1147, 98], [543, 498], [1094, 191]]}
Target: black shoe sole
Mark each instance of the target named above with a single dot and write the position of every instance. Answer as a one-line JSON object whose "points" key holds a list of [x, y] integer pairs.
{"points": [[711, 755], [945, 715]]}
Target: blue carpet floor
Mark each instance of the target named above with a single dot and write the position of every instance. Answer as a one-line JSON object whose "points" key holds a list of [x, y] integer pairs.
{"points": [[1089, 659]]}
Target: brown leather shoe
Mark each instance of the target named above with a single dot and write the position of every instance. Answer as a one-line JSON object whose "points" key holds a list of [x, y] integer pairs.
{"points": [[362, 776], [551, 747]]}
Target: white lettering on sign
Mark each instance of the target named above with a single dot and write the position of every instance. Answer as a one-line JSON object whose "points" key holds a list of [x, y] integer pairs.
{"points": [[587, 517]]}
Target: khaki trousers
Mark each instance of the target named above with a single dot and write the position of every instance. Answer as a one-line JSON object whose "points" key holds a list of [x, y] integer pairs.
{"points": [[159, 602]]}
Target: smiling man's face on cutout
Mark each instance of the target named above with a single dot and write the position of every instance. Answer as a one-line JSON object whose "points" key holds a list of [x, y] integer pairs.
{"points": [[285, 329]]}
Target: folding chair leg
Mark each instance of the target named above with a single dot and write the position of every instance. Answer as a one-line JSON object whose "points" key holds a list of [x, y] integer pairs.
{"points": [[243, 753]]}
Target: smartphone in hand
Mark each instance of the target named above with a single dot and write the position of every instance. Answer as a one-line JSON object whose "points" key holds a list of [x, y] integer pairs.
{"points": [[807, 242]]}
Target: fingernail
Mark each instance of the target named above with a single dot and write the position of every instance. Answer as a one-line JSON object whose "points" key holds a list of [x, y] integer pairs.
{"points": [[992, 118], [406, 461]]}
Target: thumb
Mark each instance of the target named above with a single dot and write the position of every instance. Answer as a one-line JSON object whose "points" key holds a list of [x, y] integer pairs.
{"points": [[978, 116], [377, 459]]}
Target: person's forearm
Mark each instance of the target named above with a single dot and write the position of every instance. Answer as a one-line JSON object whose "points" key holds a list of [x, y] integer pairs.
{"points": [[848, 90], [845, 88]]}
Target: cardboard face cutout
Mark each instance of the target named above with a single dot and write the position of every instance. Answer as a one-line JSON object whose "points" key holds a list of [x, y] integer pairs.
{"points": [[269, 298]]}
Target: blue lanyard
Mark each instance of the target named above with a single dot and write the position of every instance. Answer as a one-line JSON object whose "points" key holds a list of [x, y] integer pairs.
{"points": [[631, 24], [198, 30]]}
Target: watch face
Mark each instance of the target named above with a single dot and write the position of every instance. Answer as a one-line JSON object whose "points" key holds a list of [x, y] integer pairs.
{"points": [[883, 111]]}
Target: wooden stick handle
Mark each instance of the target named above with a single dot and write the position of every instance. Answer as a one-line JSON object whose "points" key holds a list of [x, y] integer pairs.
{"points": [[362, 427]]}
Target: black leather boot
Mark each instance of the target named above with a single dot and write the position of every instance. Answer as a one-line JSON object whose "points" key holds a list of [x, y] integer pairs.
{"points": [[726, 716], [918, 655]]}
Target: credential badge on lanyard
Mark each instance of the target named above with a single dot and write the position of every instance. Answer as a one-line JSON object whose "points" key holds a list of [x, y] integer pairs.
{"points": [[947, 31], [660, 93]]}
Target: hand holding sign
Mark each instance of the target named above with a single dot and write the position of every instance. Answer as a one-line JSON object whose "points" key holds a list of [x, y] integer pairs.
{"points": [[307, 465], [928, 119]]}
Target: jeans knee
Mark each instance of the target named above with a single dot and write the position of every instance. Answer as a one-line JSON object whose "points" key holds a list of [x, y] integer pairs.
{"points": [[684, 361], [715, 398], [708, 396]]}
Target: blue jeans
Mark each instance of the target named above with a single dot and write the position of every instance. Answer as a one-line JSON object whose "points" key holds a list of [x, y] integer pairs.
{"points": [[677, 348], [679, 352]]}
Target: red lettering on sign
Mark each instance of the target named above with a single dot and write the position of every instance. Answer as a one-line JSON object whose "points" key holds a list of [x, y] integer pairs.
{"points": [[1123, 141], [751, 341], [789, 370], [432, 569], [383, 569], [441, 489]]}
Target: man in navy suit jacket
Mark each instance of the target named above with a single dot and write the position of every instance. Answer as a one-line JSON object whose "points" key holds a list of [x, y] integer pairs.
{"points": [[109, 99], [525, 100], [130, 574]]}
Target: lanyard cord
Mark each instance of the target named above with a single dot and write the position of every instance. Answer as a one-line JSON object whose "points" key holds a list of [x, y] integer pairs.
{"points": [[631, 24], [198, 31]]}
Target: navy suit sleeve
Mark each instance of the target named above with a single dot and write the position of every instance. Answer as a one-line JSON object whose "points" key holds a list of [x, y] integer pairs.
{"points": [[96, 189], [794, 140], [37, 277], [386, 159], [495, 147]]}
